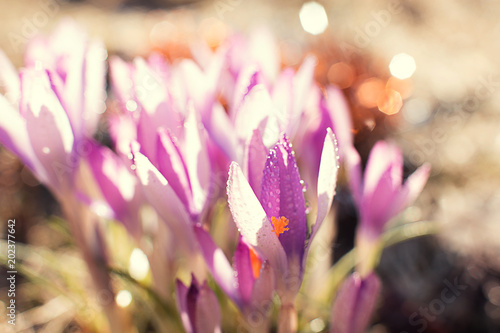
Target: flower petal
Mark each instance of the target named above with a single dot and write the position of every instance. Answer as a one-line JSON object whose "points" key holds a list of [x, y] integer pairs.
{"points": [[118, 185], [251, 219], [172, 166], [197, 161], [243, 268], [207, 313], [221, 131], [338, 111], [282, 195], [217, 263], [354, 304], [327, 180], [254, 161], [48, 127], [383, 156], [14, 136], [411, 189], [353, 165], [253, 112], [162, 197], [182, 303]]}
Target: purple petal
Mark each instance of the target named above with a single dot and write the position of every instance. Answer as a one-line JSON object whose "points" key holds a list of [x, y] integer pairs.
{"points": [[182, 304], [411, 188], [251, 219], [243, 268], [383, 156], [118, 185], [163, 198], [248, 78], [172, 166], [207, 313], [327, 180], [354, 304], [255, 160], [376, 207], [282, 195], [48, 127], [217, 263]]}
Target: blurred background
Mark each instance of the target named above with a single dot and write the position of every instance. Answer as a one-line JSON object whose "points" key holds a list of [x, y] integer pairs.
{"points": [[424, 73]]}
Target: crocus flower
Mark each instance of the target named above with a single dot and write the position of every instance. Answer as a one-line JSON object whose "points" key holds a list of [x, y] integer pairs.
{"points": [[331, 112], [380, 195], [198, 306], [275, 223], [354, 304], [249, 283], [78, 68], [165, 128], [54, 104]]}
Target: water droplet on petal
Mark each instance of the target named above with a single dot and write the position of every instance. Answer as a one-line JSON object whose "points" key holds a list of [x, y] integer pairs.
{"points": [[308, 207]]}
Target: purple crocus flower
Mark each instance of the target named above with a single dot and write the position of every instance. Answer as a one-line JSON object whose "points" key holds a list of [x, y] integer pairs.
{"points": [[198, 306], [249, 283], [275, 223], [354, 304], [380, 195], [332, 112], [54, 104], [163, 123]]}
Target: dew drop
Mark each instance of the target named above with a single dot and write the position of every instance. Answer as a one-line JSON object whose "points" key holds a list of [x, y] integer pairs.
{"points": [[46, 150], [308, 207]]}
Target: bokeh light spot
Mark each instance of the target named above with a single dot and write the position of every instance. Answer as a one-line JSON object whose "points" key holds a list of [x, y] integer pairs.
{"points": [[313, 18], [402, 66]]}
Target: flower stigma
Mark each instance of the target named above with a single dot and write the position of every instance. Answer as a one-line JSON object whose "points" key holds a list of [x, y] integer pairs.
{"points": [[280, 225], [255, 262]]}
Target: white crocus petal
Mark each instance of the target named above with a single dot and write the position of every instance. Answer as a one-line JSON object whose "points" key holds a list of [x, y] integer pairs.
{"points": [[251, 219], [197, 160], [327, 180]]}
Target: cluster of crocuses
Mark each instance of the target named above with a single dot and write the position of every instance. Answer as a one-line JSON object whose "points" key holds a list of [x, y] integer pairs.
{"points": [[181, 132]]}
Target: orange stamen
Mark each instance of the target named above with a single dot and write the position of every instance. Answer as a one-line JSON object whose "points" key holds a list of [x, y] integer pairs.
{"points": [[255, 262], [279, 225]]}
